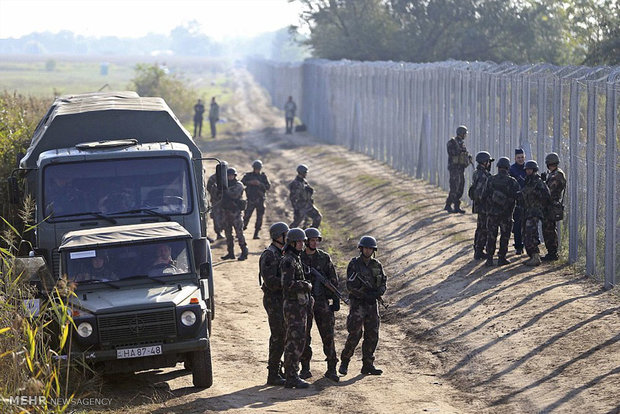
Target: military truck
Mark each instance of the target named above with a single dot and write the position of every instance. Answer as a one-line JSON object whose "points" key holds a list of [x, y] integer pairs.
{"points": [[111, 159]]}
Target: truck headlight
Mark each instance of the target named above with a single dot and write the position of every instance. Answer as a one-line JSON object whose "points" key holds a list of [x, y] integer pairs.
{"points": [[188, 318], [85, 329]]}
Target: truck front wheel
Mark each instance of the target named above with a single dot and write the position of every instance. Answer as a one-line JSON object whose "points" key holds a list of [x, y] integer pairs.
{"points": [[202, 371]]}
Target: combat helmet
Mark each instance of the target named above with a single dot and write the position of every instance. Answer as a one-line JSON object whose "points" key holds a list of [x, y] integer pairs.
{"points": [[483, 157], [231, 171], [503, 162], [302, 169], [461, 131], [367, 241], [257, 164], [295, 234], [278, 229], [552, 158], [313, 232], [531, 165]]}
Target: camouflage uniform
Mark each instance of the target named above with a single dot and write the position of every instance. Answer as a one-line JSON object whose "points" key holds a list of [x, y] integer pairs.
{"points": [[256, 197], [363, 311], [302, 202], [556, 181], [269, 263], [323, 314], [480, 206], [297, 306], [216, 208], [501, 192], [231, 212], [535, 195], [458, 160]]}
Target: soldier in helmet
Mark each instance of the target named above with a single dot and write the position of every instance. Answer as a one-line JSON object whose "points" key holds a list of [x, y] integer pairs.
{"points": [[366, 283], [313, 257], [517, 171], [297, 306], [458, 159], [301, 199], [271, 284], [556, 181], [256, 185], [232, 206], [480, 204], [215, 194], [535, 196], [501, 192]]}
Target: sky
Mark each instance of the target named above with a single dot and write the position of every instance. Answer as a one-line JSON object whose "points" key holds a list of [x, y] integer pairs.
{"points": [[218, 19]]}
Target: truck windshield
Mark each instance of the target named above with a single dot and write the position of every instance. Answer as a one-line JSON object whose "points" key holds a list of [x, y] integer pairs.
{"points": [[148, 260], [116, 187]]}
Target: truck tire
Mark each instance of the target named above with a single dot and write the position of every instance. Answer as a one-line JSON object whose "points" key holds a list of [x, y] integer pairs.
{"points": [[202, 371]]}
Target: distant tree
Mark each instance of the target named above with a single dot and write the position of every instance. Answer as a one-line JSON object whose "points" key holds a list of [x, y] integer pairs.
{"points": [[287, 46], [596, 26], [188, 40]]}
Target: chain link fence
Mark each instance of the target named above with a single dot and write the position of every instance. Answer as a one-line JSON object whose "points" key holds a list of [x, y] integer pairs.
{"points": [[404, 113]]}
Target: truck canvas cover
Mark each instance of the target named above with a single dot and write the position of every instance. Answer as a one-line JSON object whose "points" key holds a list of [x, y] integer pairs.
{"points": [[109, 236]]}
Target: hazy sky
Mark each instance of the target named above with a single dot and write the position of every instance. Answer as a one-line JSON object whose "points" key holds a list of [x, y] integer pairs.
{"points": [[135, 18]]}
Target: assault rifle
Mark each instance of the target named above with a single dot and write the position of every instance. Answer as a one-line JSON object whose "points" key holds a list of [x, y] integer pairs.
{"points": [[367, 284], [318, 276]]}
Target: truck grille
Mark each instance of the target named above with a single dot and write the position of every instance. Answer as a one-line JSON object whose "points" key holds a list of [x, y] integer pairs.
{"points": [[137, 326]]}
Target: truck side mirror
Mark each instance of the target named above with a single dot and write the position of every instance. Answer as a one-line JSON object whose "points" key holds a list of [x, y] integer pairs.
{"points": [[221, 171], [205, 270], [13, 187]]}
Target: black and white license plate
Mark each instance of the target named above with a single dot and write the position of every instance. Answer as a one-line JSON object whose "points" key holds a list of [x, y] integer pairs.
{"points": [[142, 351]]}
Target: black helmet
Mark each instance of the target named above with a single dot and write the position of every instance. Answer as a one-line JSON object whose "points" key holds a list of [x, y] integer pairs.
{"points": [[461, 131], [231, 171], [278, 229], [295, 234], [503, 162], [367, 241], [552, 158], [313, 232], [483, 157], [302, 168], [257, 164], [531, 165]]}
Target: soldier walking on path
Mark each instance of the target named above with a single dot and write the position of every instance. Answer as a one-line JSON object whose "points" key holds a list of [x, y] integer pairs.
{"points": [[271, 285], [214, 116], [556, 182], [480, 203], [535, 196], [458, 160], [232, 206], [289, 114], [301, 199], [256, 185], [501, 192], [517, 171], [199, 109], [216, 205], [366, 283], [313, 257], [297, 306]]}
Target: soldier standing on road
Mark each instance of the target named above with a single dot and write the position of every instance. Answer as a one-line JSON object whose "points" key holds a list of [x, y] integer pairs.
{"points": [[535, 196], [269, 265], [458, 160], [313, 257], [256, 185], [214, 116], [501, 192], [517, 171], [232, 206], [366, 283], [216, 205], [301, 199], [297, 306], [480, 203], [199, 109], [556, 182], [289, 114]]}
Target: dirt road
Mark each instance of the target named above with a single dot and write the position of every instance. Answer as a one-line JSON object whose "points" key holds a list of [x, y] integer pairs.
{"points": [[458, 337]]}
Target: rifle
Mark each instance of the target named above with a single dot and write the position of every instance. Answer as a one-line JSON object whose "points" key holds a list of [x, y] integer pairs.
{"points": [[318, 276], [367, 284]]}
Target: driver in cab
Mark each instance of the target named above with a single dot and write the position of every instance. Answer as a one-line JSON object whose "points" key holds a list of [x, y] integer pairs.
{"points": [[163, 264]]}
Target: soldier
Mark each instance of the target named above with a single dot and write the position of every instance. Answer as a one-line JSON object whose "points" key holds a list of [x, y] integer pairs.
{"points": [[271, 284], [199, 109], [256, 185], [501, 192], [214, 116], [232, 206], [535, 196], [458, 160], [517, 171], [313, 257], [301, 199], [480, 205], [297, 306], [216, 207], [366, 283], [289, 114], [556, 182]]}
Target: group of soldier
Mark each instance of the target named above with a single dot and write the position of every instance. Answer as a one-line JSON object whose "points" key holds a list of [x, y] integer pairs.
{"points": [[515, 199]]}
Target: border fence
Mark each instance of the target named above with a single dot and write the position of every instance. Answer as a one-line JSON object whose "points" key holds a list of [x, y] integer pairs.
{"points": [[404, 113]]}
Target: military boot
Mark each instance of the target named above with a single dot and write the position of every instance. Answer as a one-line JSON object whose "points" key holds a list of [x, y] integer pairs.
{"points": [[457, 208], [550, 257], [489, 261], [231, 251], [479, 255], [274, 378], [244, 253], [256, 236], [344, 366], [305, 370], [295, 382], [369, 369], [502, 261], [534, 260], [219, 236], [331, 371], [448, 208]]}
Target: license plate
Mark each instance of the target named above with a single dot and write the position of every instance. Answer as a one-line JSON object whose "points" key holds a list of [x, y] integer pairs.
{"points": [[140, 352]]}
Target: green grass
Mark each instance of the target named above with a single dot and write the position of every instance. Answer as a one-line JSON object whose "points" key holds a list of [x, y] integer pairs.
{"points": [[371, 180]]}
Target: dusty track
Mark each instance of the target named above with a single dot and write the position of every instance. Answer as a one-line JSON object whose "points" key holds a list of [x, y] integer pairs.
{"points": [[458, 337]]}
